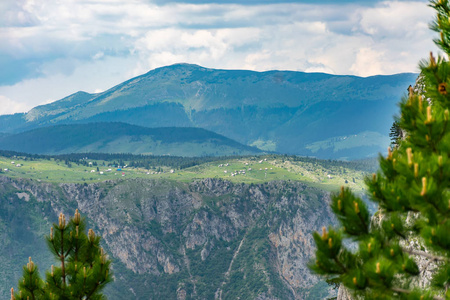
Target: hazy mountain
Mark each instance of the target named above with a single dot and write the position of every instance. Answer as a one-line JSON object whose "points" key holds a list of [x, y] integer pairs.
{"points": [[284, 111], [123, 138]]}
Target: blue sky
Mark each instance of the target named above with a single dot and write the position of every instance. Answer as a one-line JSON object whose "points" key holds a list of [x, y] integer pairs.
{"points": [[50, 49]]}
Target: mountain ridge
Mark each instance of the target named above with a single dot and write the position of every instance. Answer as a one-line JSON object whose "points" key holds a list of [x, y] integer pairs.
{"points": [[116, 137], [286, 110]]}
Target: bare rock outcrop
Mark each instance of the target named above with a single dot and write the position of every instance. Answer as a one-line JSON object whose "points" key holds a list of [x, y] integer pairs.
{"points": [[199, 240]]}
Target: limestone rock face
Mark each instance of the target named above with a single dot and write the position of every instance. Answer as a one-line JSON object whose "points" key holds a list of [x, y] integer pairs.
{"points": [[170, 240], [343, 294]]}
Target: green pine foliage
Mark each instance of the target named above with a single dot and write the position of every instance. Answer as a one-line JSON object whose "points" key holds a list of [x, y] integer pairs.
{"points": [[412, 191], [395, 134], [84, 268]]}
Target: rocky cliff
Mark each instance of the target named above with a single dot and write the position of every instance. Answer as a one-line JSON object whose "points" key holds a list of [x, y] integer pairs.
{"points": [[207, 239]]}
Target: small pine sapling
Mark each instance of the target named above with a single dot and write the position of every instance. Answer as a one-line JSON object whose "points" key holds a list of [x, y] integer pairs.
{"points": [[83, 271]]}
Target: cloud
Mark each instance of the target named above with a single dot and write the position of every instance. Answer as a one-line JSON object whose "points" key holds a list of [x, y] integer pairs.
{"points": [[299, 37], [396, 44], [254, 2], [14, 13], [91, 77], [49, 49], [368, 62], [8, 106], [384, 21]]}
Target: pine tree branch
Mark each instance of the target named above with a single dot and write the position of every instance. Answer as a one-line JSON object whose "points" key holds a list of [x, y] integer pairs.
{"points": [[97, 284], [443, 131], [425, 254], [400, 290], [344, 269], [32, 290], [403, 291], [54, 247], [67, 252], [362, 221], [63, 268], [432, 204], [400, 234]]}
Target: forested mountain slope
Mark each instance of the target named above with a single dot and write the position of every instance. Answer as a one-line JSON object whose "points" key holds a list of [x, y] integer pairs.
{"points": [[314, 114], [115, 137]]}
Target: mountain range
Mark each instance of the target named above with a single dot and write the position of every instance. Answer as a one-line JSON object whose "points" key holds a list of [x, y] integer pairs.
{"points": [[313, 114]]}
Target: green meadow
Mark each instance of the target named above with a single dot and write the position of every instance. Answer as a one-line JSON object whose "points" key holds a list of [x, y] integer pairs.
{"points": [[328, 175]]}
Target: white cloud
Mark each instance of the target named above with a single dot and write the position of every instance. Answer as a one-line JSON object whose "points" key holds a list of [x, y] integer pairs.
{"points": [[8, 106], [98, 55], [368, 62], [13, 13], [396, 19], [92, 77], [92, 44]]}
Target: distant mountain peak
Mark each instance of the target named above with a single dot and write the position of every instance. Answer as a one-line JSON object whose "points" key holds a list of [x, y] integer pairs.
{"points": [[283, 111], [188, 65], [178, 66]]}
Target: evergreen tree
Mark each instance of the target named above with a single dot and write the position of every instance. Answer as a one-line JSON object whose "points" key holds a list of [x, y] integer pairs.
{"points": [[395, 134], [412, 191], [83, 271]]}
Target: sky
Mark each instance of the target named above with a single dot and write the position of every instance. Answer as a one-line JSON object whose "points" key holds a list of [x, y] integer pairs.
{"points": [[53, 48]]}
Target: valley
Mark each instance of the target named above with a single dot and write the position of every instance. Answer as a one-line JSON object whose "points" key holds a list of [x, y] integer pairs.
{"points": [[204, 231], [202, 183]]}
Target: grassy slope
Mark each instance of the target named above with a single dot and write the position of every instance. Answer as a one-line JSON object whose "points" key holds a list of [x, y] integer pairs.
{"points": [[257, 169]]}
